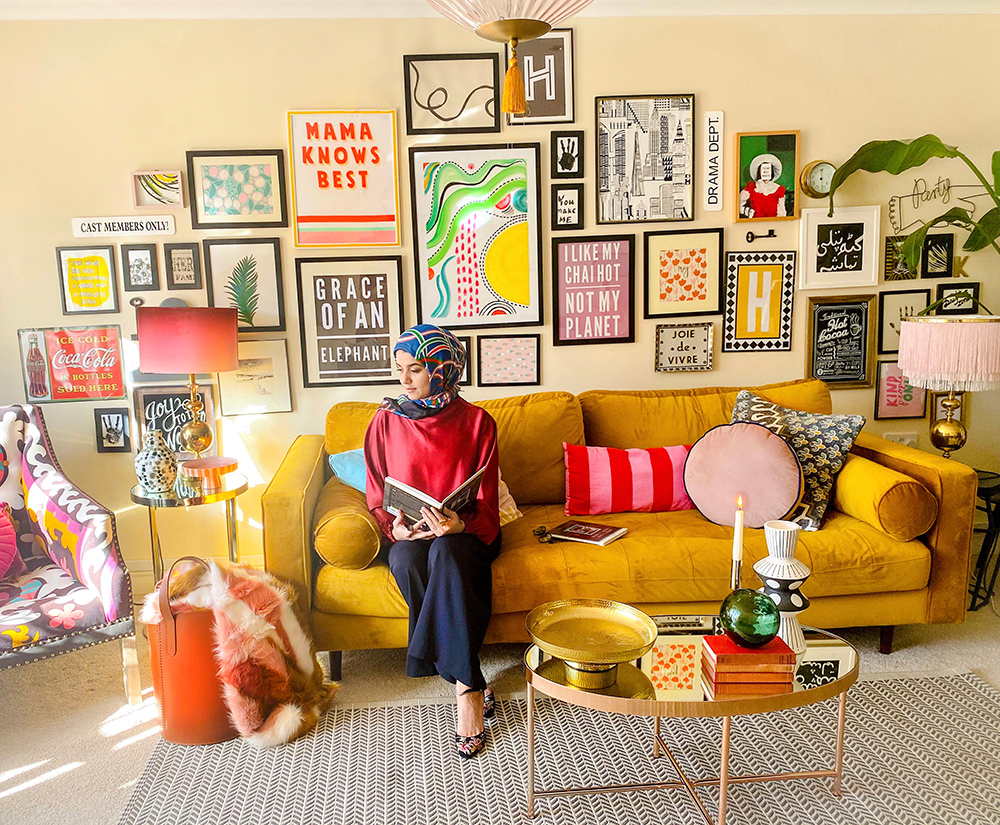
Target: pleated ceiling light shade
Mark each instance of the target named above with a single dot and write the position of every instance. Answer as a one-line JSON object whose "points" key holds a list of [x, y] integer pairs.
{"points": [[951, 353], [511, 22]]}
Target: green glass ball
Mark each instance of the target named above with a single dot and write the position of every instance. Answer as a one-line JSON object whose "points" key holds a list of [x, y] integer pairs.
{"points": [[749, 617]]}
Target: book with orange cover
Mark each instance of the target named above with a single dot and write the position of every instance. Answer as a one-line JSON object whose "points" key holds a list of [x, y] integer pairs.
{"points": [[740, 667], [723, 690], [720, 650], [751, 677]]}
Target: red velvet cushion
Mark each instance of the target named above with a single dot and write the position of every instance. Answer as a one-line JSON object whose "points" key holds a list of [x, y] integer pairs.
{"points": [[608, 480], [11, 563], [743, 460]]}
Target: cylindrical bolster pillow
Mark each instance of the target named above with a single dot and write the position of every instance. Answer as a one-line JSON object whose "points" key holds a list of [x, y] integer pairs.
{"points": [[345, 534], [894, 503]]}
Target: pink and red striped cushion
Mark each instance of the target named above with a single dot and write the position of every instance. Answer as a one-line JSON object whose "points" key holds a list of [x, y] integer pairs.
{"points": [[608, 480]]}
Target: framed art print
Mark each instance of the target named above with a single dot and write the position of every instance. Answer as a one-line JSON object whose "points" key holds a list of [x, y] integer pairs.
{"points": [[245, 273], [767, 172], [841, 251], [508, 360], [345, 187], [685, 347], [645, 158], [840, 342], [183, 265], [350, 315], [683, 273], [71, 363], [156, 190], [895, 396], [959, 298], [87, 280], [452, 93], [675, 666], [567, 206], [112, 430], [939, 412], [466, 379], [260, 384], [140, 270], [566, 159], [165, 409], [546, 65], [236, 189], [894, 265], [937, 255], [893, 309], [822, 664], [593, 290], [477, 235], [759, 292]]}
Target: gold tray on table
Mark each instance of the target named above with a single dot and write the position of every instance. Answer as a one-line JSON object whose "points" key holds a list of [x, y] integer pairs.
{"points": [[592, 636]]}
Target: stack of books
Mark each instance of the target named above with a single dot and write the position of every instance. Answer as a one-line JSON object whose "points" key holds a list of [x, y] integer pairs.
{"points": [[730, 671]]}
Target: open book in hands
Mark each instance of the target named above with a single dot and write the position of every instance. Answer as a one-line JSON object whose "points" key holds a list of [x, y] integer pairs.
{"points": [[402, 498]]}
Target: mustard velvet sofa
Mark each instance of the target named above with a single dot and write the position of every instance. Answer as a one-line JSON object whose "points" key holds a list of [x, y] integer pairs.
{"points": [[866, 568]]}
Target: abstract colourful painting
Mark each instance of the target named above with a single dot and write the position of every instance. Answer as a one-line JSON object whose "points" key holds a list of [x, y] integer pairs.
{"points": [[476, 235]]}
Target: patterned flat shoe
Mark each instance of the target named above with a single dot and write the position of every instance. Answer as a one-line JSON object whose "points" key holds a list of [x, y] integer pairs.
{"points": [[489, 704], [469, 746]]}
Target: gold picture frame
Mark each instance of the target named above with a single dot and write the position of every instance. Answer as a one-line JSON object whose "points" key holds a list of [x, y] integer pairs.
{"points": [[840, 341]]}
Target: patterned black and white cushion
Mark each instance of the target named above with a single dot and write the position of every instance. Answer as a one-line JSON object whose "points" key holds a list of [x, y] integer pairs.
{"points": [[820, 443]]}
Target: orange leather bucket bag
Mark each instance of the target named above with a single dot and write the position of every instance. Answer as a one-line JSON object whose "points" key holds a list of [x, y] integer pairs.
{"points": [[186, 681]]}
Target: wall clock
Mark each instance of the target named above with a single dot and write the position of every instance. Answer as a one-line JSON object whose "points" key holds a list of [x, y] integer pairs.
{"points": [[816, 178]]}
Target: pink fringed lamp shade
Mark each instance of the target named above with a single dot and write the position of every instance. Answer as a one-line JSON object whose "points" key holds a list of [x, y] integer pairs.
{"points": [[953, 353], [187, 339]]}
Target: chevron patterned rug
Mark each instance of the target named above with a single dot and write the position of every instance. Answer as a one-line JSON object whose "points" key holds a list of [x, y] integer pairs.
{"points": [[918, 752]]}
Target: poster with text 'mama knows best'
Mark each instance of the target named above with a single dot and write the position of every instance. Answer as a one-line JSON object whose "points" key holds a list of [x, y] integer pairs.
{"points": [[345, 190]]}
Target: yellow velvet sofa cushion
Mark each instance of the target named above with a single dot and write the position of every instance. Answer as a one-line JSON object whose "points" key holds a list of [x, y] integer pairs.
{"points": [[894, 503], [662, 418], [346, 424], [345, 534]]}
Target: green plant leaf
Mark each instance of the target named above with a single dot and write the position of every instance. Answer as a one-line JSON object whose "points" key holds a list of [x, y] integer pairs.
{"points": [[892, 156], [985, 232], [242, 289], [996, 172], [914, 243]]}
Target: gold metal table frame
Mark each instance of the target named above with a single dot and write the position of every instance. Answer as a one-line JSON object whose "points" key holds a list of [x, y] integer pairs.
{"points": [[630, 676]]}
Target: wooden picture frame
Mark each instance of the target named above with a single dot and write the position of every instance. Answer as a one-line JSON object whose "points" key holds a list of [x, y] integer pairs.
{"points": [[260, 384], [165, 408], [684, 273], [686, 347], [182, 264], [957, 306], [762, 158], [237, 189], [140, 267], [245, 273], [157, 189], [88, 281], [895, 396], [840, 251], [567, 207], [840, 341], [508, 360], [593, 290], [546, 65], [893, 307], [113, 429], [453, 94], [772, 276], [566, 154]]}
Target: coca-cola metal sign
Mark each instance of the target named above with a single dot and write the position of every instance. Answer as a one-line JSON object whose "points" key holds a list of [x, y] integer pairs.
{"points": [[71, 363]]}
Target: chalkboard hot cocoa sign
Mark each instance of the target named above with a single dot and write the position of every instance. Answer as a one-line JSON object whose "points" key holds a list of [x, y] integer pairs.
{"points": [[840, 340]]}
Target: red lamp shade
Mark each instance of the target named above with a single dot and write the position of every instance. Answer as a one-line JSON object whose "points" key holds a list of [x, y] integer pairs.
{"points": [[187, 339]]}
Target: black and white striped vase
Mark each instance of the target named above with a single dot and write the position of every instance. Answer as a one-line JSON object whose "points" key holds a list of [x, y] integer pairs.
{"points": [[783, 575]]}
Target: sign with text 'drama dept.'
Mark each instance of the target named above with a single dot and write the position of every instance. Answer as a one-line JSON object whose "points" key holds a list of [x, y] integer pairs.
{"points": [[345, 190]]}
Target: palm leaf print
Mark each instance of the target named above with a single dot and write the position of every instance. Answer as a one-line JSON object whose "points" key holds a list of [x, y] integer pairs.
{"points": [[242, 289]]}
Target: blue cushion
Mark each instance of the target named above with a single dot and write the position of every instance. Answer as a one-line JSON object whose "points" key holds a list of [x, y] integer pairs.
{"points": [[349, 467]]}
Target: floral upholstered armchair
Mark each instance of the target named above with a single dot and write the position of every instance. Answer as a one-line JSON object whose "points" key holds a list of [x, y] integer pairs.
{"points": [[65, 586]]}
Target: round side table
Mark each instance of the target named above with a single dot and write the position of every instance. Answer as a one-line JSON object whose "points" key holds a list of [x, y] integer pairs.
{"points": [[186, 494], [989, 493]]}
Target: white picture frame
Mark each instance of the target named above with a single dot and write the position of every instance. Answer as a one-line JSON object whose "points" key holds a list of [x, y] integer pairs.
{"points": [[260, 383], [839, 251]]}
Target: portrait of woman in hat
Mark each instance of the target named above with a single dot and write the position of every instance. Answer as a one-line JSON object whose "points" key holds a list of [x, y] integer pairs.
{"points": [[763, 196]]}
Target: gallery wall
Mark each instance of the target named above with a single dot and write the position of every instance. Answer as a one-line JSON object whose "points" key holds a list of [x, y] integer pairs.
{"points": [[88, 103]]}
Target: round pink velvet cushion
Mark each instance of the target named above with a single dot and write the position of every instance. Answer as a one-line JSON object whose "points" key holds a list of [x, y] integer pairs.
{"points": [[746, 460]]}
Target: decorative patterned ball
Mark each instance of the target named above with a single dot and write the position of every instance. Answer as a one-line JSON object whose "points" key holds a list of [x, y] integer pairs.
{"points": [[749, 617]]}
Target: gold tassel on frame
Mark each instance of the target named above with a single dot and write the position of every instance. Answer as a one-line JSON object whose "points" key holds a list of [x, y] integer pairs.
{"points": [[513, 85]]}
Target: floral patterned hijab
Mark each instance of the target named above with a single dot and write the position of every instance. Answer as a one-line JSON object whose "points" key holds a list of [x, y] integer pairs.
{"points": [[444, 356]]}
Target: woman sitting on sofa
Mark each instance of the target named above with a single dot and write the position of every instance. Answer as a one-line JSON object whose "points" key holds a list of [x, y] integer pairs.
{"points": [[433, 440]]}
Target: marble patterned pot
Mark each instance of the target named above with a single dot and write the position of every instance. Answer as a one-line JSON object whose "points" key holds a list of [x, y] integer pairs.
{"points": [[155, 464]]}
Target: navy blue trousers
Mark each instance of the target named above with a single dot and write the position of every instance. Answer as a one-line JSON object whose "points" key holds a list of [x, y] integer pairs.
{"points": [[448, 584]]}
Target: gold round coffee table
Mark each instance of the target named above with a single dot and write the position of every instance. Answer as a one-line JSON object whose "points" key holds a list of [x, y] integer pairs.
{"points": [[828, 668]]}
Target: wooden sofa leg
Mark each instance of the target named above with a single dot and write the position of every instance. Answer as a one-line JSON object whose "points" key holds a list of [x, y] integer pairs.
{"points": [[336, 665], [130, 670], [885, 638]]}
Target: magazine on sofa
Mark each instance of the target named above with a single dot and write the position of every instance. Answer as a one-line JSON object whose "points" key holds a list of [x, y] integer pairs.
{"points": [[400, 497], [587, 532]]}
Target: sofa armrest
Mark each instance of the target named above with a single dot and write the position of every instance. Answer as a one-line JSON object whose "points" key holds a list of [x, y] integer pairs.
{"points": [[954, 486], [287, 509]]}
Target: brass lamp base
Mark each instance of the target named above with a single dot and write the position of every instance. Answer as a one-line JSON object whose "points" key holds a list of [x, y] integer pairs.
{"points": [[948, 434], [501, 31], [195, 436]]}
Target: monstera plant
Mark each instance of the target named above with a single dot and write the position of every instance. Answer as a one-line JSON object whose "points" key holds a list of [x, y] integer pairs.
{"points": [[895, 157]]}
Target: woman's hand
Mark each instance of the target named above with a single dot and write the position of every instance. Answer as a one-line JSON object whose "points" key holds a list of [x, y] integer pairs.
{"points": [[442, 522], [402, 532]]}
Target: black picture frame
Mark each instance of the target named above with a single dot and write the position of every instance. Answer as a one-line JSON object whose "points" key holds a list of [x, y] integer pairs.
{"points": [[167, 404], [532, 48], [278, 287], [715, 255], [882, 367], [238, 222], [107, 253], [588, 297], [466, 379], [754, 262], [937, 255], [171, 272], [888, 333], [411, 90], [557, 190], [943, 290], [567, 154], [483, 339], [127, 280], [840, 341], [113, 424]]}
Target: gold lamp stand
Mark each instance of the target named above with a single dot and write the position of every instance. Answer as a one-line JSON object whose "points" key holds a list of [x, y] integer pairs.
{"points": [[195, 436], [948, 434]]}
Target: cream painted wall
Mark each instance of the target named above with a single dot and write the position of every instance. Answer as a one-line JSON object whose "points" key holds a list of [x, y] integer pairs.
{"points": [[86, 103]]}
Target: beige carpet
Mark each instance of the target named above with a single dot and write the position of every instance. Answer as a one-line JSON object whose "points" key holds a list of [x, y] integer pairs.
{"points": [[71, 748]]}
